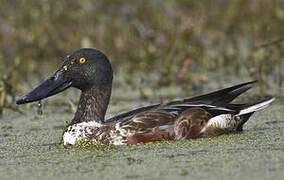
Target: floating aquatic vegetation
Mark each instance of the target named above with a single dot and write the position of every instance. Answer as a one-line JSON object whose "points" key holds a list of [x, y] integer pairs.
{"points": [[93, 146], [2, 97]]}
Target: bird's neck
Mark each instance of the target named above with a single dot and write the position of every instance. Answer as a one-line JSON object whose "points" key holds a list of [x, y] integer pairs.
{"points": [[92, 105]]}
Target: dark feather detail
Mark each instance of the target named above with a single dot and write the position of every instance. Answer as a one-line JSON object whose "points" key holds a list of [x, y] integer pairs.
{"points": [[132, 112], [148, 137], [223, 96], [190, 123], [217, 98], [244, 119], [240, 106], [189, 118], [145, 122]]}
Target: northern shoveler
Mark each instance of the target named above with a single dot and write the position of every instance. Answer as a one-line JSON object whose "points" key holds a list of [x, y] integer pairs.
{"points": [[90, 71]]}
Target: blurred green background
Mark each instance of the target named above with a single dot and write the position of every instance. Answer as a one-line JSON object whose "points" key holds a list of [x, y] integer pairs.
{"points": [[166, 42]]}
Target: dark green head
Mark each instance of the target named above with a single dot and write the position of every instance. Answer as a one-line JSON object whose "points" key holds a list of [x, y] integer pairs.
{"points": [[87, 68], [83, 69]]}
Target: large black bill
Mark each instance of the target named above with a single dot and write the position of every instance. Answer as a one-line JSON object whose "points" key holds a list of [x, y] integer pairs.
{"points": [[49, 87]]}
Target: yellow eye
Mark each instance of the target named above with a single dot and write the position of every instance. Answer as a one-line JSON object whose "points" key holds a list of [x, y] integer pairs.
{"points": [[65, 68], [82, 60]]}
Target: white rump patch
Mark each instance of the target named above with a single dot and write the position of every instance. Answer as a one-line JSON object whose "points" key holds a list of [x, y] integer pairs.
{"points": [[223, 121]]}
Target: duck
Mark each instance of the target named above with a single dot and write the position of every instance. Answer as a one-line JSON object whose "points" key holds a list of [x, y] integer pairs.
{"points": [[90, 71]]}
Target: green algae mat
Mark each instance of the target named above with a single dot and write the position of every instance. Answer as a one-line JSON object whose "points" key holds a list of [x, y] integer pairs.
{"points": [[30, 148]]}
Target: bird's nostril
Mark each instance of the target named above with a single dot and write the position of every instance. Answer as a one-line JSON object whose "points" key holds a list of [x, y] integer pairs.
{"points": [[21, 100]]}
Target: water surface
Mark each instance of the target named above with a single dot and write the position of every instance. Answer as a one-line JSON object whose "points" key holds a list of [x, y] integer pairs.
{"points": [[30, 148]]}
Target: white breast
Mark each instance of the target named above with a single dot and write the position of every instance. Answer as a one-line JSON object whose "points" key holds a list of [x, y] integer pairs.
{"points": [[78, 132]]}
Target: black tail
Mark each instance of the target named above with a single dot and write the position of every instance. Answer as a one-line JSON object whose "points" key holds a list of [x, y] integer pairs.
{"points": [[247, 109], [224, 96]]}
